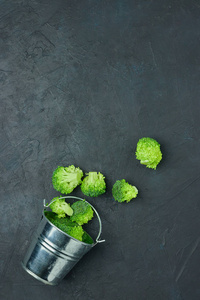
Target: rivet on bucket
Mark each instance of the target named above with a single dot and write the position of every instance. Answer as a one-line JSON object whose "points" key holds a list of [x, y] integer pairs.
{"points": [[53, 253]]}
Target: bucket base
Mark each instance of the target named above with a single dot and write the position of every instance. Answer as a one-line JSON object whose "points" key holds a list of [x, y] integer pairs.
{"points": [[35, 276]]}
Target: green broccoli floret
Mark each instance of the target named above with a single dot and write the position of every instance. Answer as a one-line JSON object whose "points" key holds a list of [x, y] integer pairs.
{"points": [[65, 179], [66, 225], [82, 212], [61, 208], [50, 215], [123, 191], [148, 152], [93, 184], [87, 238]]}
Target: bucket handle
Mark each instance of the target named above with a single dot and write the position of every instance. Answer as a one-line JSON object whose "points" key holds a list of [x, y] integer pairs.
{"points": [[98, 240]]}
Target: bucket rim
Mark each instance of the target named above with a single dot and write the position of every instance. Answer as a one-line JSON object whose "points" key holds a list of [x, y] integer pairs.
{"points": [[96, 241]]}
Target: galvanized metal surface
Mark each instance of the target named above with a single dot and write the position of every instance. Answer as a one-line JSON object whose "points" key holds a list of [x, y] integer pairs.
{"points": [[53, 253]]}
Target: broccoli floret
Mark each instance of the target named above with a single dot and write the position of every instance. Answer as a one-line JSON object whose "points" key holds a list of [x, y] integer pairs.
{"points": [[74, 231], [82, 212], [123, 191], [66, 225], [93, 184], [50, 215], [61, 208], [66, 179], [87, 238], [148, 152]]}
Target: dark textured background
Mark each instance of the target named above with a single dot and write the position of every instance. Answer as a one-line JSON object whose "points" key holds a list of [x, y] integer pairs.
{"points": [[80, 83]]}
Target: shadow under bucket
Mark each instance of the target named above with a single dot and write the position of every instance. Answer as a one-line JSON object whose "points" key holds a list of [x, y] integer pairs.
{"points": [[53, 253]]}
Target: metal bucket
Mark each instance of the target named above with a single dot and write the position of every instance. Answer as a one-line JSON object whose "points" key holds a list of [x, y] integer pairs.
{"points": [[53, 253]]}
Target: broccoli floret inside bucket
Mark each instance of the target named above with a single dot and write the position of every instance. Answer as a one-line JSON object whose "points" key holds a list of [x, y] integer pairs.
{"points": [[75, 231], [123, 191], [61, 208], [87, 238], [66, 225], [93, 184], [148, 152], [66, 179], [82, 212], [50, 215]]}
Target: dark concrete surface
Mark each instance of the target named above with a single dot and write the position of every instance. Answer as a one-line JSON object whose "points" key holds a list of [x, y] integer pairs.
{"points": [[80, 83]]}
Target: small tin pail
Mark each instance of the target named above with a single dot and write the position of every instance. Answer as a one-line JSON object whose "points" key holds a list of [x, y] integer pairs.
{"points": [[53, 253]]}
